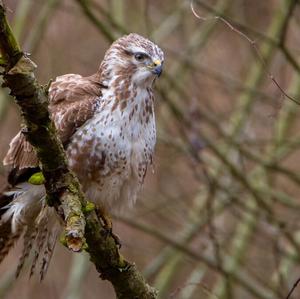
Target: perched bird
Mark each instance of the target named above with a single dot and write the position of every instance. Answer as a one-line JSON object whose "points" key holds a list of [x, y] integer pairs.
{"points": [[106, 123]]}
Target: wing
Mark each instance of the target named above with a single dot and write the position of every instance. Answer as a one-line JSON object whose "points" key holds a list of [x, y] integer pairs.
{"points": [[72, 101], [20, 154]]}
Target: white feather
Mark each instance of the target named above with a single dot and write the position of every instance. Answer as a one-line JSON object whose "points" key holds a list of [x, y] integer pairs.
{"points": [[25, 206]]}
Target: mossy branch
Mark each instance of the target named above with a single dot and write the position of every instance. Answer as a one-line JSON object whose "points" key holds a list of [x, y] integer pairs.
{"points": [[9, 47], [82, 226]]}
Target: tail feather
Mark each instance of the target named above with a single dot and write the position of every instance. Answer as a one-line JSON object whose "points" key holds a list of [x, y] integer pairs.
{"points": [[28, 241], [40, 241], [7, 238], [5, 199], [48, 252], [28, 213], [45, 240]]}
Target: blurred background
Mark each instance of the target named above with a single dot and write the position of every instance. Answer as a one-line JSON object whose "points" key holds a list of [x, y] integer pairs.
{"points": [[219, 216]]}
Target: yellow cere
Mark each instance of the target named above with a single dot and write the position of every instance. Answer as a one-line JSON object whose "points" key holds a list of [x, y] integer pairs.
{"points": [[157, 62]]}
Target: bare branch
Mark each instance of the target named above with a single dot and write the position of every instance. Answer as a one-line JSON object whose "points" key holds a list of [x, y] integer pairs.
{"points": [[293, 289], [252, 43]]}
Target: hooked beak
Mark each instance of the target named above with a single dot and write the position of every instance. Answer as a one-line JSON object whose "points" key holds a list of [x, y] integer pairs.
{"points": [[157, 68]]}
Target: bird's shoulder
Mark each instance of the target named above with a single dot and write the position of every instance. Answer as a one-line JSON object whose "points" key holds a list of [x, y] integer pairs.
{"points": [[73, 100]]}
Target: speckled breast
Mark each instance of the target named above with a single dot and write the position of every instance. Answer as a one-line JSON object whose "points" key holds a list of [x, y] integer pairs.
{"points": [[110, 154]]}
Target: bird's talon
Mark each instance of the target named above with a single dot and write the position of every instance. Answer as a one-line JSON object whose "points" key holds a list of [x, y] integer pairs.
{"points": [[117, 240], [109, 233]]}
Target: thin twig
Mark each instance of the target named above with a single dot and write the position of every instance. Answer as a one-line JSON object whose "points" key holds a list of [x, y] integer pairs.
{"points": [[239, 277], [253, 45], [293, 288], [92, 17]]}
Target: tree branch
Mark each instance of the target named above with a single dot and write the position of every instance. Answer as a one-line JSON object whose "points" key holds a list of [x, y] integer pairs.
{"points": [[40, 132], [84, 4], [63, 188]]}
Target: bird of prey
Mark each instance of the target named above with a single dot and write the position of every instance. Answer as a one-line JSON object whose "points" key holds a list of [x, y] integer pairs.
{"points": [[106, 123]]}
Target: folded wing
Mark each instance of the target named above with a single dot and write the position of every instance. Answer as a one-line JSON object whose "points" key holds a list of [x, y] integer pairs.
{"points": [[72, 101]]}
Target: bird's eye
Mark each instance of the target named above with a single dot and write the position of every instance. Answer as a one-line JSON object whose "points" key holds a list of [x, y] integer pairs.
{"points": [[140, 56]]}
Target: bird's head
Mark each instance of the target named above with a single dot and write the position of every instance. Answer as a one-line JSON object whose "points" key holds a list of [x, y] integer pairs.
{"points": [[134, 57]]}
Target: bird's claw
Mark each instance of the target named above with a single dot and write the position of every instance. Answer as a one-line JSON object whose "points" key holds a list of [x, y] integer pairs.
{"points": [[107, 225], [109, 233]]}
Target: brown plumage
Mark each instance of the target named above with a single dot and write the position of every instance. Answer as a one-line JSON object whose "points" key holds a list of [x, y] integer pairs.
{"points": [[73, 100], [106, 123], [28, 238], [6, 239], [21, 154]]}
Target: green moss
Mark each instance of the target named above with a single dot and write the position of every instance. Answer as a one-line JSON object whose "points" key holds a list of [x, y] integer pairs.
{"points": [[2, 61], [85, 247], [123, 265], [8, 44], [63, 240], [89, 207], [37, 179]]}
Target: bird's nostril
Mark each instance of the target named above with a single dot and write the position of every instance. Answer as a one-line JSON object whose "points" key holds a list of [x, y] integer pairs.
{"points": [[156, 62]]}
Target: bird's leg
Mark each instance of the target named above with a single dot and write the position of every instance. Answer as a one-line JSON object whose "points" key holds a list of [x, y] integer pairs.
{"points": [[105, 217]]}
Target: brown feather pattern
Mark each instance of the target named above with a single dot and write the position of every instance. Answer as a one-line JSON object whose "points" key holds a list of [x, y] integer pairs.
{"points": [[7, 238], [28, 241], [72, 101], [106, 123], [20, 154]]}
